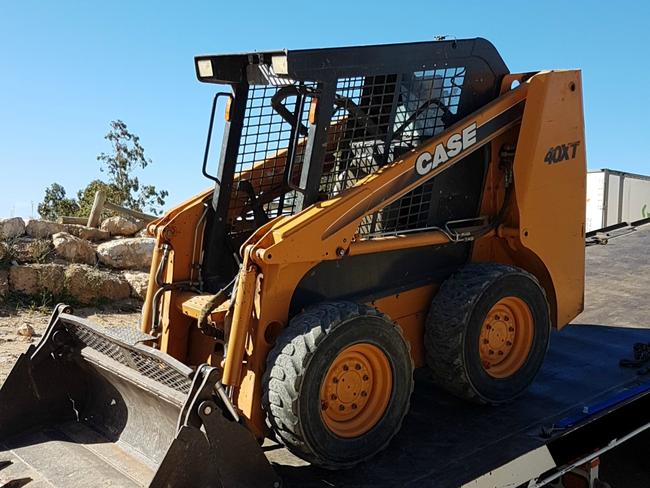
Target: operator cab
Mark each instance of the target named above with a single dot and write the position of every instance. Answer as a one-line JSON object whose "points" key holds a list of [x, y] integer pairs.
{"points": [[303, 126]]}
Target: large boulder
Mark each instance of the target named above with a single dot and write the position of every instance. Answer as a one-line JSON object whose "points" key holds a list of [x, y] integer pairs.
{"points": [[27, 250], [88, 285], [120, 226], [73, 249], [88, 233], [10, 228], [4, 283], [130, 253], [139, 282], [32, 279], [43, 229]]}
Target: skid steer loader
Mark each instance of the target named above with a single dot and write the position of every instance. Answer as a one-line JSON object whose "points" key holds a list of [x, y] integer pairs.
{"points": [[375, 209]]}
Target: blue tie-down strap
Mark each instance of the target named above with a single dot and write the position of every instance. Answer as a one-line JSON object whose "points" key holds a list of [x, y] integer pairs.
{"points": [[591, 410]]}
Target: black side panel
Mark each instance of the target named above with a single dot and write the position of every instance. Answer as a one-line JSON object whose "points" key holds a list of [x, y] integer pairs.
{"points": [[452, 195], [456, 193], [369, 276]]}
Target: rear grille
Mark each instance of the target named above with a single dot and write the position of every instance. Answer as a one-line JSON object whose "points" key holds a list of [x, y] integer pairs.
{"points": [[110, 343]]}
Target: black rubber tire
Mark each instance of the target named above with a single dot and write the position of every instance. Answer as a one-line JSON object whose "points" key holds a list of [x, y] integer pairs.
{"points": [[295, 369], [454, 322]]}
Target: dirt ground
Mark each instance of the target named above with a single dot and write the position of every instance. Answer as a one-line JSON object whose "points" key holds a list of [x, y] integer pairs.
{"points": [[13, 321]]}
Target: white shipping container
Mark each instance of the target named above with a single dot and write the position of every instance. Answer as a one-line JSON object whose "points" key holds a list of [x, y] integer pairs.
{"points": [[614, 197]]}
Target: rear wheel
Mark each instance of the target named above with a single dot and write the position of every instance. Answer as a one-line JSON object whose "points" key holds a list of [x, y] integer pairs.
{"points": [[338, 384], [487, 332]]}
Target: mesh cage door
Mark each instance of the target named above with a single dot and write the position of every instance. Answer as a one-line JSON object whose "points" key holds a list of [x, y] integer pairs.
{"points": [[268, 141]]}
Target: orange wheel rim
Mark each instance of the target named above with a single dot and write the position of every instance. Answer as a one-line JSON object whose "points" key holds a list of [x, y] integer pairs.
{"points": [[356, 389], [506, 337]]}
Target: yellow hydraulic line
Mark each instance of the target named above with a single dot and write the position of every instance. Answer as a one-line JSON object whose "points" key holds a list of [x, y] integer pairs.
{"points": [[241, 319], [368, 246], [147, 310]]}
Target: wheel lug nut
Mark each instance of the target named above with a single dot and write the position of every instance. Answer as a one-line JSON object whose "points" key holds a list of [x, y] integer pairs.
{"points": [[508, 343], [497, 317], [486, 341], [491, 351], [335, 380], [506, 318], [345, 367], [365, 377], [511, 329], [332, 397], [354, 406], [357, 367], [324, 406], [341, 408], [364, 394], [500, 353]]}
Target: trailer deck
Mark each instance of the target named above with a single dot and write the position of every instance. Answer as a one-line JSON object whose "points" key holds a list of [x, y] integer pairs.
{"points": [[446, 442]]}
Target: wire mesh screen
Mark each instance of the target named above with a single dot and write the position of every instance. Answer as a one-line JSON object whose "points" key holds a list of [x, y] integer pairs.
{"points": [[153, 367], [261, 166], [376, 120], [359, 129]]}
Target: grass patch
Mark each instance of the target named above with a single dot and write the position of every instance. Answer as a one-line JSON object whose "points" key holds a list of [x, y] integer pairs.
{"points": [[43, 302], [8, 252], [39, 251]]}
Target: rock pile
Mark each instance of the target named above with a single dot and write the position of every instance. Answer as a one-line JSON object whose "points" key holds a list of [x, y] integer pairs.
{"points": [[82, 263]]}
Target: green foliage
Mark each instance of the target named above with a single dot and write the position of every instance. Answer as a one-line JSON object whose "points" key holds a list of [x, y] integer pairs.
{"points": [[123, 187], [128, 155], [86, 196], [56, 204]]}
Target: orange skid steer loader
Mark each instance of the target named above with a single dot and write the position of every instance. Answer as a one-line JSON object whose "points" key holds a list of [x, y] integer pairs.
{"points": [[375, 209]]}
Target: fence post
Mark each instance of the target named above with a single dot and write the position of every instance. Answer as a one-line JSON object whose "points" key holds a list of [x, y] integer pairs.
{"points": [[127, 211], [98, 207]]}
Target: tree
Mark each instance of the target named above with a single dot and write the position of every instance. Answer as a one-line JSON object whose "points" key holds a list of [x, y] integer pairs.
{"points": [[123, 187], [127, 155], [86, 196], [55, 203]]}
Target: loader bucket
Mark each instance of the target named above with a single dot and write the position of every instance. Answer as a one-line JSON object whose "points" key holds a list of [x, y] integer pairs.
{"points": [[90, 406]]}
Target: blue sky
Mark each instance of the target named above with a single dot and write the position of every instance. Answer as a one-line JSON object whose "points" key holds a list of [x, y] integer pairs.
{"points": [[68, 68]]}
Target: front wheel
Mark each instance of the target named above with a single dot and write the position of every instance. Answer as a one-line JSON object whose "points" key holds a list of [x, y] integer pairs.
{"points": [[338, 383]]}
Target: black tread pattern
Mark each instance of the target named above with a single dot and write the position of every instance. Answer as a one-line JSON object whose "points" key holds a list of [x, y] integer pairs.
{"points": [[448, 317], [287, 363]]}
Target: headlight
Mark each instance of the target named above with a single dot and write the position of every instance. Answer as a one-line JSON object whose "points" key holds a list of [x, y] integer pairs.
{"points": [[204, 67]]}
